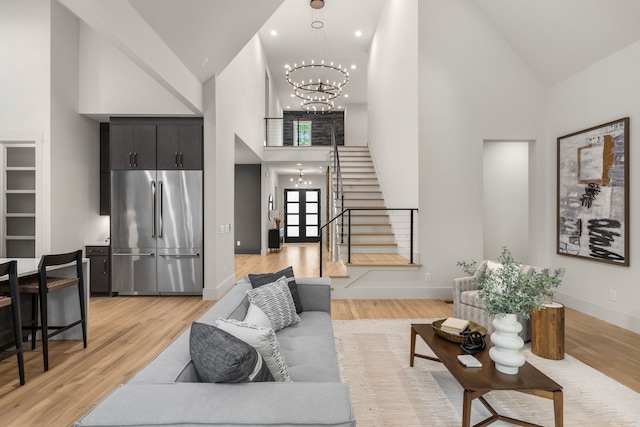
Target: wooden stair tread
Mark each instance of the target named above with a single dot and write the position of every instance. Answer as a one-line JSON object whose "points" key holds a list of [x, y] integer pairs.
{"points": [[367, 233], [369, 244], [381, 264]]}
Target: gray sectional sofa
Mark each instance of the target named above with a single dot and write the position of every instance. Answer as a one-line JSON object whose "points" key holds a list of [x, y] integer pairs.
{"points": [[167, 392]]}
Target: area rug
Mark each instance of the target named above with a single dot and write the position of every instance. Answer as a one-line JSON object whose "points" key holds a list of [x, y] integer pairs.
{"points": [[374, 361]]}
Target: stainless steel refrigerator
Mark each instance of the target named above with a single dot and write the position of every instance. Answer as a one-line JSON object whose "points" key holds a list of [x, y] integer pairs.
{"points": [[156, 232]]}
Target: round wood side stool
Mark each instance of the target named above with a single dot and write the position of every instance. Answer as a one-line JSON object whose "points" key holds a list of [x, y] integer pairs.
{"points": [[547, 332]]}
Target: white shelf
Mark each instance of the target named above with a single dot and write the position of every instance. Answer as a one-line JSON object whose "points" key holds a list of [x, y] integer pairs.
{"points": [[20, 191], [19, 168], [19, 182]]}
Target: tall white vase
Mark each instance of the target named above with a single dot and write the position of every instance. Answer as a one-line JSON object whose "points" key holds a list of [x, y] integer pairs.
{"points": [[507, 344]]}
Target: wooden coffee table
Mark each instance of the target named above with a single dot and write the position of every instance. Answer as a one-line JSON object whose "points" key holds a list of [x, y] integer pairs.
{"points": [[476, 382]]}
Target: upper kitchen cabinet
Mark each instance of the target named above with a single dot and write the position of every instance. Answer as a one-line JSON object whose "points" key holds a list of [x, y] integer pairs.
{"points": [[179, 147], [132, 146], [155, 143]]}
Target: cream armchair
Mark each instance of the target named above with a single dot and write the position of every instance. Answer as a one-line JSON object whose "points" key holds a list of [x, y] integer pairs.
{"points": [[467, 305]]}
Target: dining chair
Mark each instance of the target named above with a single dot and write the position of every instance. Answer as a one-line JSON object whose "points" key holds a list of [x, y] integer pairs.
{"points": [[12, 299], [40, 285]]}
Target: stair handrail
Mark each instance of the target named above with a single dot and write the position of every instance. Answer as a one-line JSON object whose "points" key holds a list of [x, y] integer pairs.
{"points": [[348, 212]]}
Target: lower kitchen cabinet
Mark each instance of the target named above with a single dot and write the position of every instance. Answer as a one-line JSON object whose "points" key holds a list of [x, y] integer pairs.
{"points": [[100, 270]]}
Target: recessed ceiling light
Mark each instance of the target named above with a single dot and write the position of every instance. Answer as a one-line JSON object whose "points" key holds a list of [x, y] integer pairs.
{"points": [[292, 95], [298, 164], [353, 67], [346, 95], [286, 66], [288, 107], [274, 33], [358, 33]]}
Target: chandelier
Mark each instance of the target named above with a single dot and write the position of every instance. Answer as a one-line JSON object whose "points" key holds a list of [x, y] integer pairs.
{"points": [[317, 84], [300, 180]]}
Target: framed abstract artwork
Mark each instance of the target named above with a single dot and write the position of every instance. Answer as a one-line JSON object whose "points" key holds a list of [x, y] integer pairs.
{"points": [[593, 193]]}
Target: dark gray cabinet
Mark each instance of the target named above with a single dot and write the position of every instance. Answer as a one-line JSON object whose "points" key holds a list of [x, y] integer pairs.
{"points": [[179, 147], [132, 146], [99, 267], [105, 176]]}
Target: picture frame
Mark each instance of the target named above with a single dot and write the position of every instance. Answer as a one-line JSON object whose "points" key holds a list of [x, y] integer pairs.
{"points": [[593, 193]]}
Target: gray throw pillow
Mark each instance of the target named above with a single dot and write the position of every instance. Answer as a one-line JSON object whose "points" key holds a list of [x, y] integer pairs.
{"points": [[219, 357], [276, 302], [263, 279]]}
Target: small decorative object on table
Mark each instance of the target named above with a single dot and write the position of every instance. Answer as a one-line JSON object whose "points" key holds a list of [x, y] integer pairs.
{"points": [[507, 291], [456, 337], [454, 325]]}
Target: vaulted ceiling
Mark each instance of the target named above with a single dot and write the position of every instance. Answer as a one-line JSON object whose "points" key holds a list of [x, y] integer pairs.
{"points": [[556, 38]]}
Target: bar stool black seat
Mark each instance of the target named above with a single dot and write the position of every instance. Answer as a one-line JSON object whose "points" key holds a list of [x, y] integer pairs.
{"points": [[40, 285]]}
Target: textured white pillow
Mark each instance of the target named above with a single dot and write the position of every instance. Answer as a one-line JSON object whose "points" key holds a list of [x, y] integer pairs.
{"points": [[262, 339], [277, 303], [256, 316]]}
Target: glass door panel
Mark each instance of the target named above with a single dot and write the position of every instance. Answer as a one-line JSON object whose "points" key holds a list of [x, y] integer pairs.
{"points": [[302, 215]]}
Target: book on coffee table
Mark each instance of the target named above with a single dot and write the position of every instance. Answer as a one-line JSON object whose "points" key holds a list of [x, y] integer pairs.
{"points": [[454, 325]]}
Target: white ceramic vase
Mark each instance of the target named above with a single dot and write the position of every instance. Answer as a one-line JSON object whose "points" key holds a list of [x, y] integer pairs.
{"points": [[507, 344]]}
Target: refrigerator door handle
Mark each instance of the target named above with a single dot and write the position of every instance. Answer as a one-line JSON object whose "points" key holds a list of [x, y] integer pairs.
{"points": [[196, 255], [152, 206], [140, 254], [161, 209]]}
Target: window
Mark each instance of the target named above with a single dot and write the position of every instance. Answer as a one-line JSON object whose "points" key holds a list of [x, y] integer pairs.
{"points": [[302, 133]]}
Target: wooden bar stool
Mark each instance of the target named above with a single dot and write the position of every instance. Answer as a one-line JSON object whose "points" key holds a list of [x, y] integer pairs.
{"points": [[40, 286], [13, 301]]}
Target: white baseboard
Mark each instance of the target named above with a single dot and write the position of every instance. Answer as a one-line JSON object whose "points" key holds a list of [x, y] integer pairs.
{"points": [[221, 289], [606, 314], [394, 292]]}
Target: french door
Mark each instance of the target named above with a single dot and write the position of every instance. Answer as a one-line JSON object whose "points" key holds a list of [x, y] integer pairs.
{"points": [[302, 215]]}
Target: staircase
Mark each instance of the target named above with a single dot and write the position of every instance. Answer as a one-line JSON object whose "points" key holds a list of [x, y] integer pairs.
{"points": [[373, 242]]}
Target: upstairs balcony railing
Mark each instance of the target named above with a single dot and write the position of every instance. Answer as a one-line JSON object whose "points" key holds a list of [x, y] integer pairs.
{"points": [[294, 130]]}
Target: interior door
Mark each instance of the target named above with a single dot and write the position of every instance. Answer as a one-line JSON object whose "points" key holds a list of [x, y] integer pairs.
{"points": [[302, 215]]}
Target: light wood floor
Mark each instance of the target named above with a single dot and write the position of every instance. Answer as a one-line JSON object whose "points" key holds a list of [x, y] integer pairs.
{"points": [[127, 332]]}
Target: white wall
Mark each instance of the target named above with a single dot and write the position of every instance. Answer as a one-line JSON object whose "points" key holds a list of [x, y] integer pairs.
{"points": [[506, 198], [393, 102], [111, 84], [356, 124], [472, 87], [25, 58], [75, 146], [605, 91], [211, 224], [239, 111]]}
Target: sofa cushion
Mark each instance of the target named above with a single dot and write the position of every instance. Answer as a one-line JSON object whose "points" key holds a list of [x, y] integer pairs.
{"points": [[220, 357], [471, 298], [309, 348], [276, 301], [262, 339], [258, 280], [256, 316]]}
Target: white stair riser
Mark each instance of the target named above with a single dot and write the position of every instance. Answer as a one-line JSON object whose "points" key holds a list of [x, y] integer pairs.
{"points": [[364, 203], [369, 238], [366, 228], [367, 250], [354, 195], [357, 176], [362, 187]]}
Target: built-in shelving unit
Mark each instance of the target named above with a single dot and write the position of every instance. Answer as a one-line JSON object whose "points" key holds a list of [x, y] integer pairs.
{"points": [[19, 191]]}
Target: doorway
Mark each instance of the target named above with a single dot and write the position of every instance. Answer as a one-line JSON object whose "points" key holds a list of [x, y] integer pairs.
{"points": [[302, 215], [506, 195]]}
